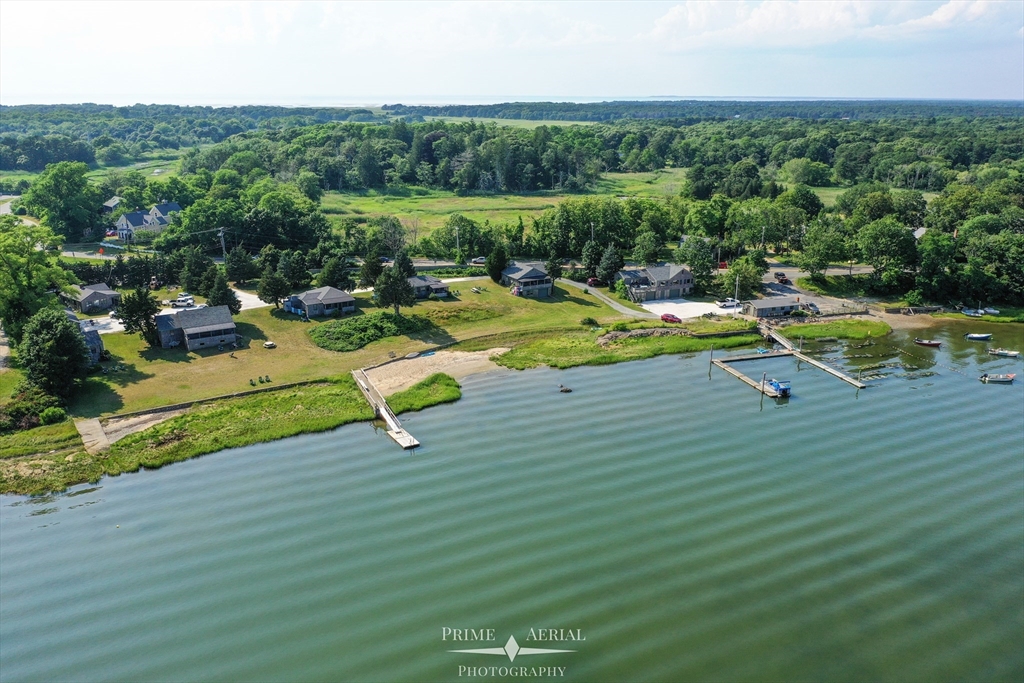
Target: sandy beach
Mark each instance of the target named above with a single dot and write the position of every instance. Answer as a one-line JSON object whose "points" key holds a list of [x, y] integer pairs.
{"points": [[402, 374]]}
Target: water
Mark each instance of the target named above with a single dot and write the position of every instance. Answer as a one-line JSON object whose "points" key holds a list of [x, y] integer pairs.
{"points": [[688, 531]]}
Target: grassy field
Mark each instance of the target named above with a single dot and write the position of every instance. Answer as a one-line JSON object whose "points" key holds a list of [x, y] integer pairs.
{"points": [[841, 329], [156, 377], [204, 429], [434, 390], [424, 210], [828, 195]]}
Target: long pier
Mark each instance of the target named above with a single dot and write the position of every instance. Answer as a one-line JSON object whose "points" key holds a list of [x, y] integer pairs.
{"points": [[768, 391], [383, 411], [772, 333]]}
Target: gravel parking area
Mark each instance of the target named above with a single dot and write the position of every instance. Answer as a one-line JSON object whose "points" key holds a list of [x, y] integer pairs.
{"points": [[685, 309]]}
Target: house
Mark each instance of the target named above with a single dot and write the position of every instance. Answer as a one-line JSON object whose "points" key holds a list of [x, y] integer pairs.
{"points": [[320, 301], [670, 281], [110, 206], [196, 328], [772, 306], [425, 285], [91, 298], [128, 223], [527, 279], [91, 335], [919, 233], [160, 215]]}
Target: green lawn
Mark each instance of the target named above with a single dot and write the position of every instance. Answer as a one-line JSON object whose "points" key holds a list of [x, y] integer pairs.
{"points": [[828, 194], [436, 389], [154, 377], [842, 329]]}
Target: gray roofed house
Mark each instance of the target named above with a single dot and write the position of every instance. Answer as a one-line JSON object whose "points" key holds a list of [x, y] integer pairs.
{"points": [[425, 285], [163, 211], [320, 301], [772, 306], [92, 337], [197, 328], [669, 281], [89, 298], [528, 279], [128, 223], [110, 206]]}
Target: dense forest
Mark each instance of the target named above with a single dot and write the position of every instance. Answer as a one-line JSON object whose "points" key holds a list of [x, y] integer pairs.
{"points": [[692, 111], [32, 136]]}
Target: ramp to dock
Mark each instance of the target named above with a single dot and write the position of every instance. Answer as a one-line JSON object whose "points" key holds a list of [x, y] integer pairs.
{"points": [[383, 411], [770, 332]]}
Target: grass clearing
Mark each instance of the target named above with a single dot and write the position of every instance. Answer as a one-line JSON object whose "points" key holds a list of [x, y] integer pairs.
{"points": [[841, 329], [62, 438], [434, 390]]}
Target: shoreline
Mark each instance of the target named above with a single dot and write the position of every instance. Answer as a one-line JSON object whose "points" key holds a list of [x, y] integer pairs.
{"points": [[211, 427]]}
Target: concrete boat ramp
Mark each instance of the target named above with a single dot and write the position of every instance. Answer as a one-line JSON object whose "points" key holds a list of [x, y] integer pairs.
{"points": [[383, 411], [788, 350]]}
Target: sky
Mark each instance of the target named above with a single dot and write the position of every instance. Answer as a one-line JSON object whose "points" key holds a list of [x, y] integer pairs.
{"points": [[310, 53]]}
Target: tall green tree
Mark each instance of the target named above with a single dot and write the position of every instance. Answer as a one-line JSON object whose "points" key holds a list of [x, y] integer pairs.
{"points": [[239, 266], [53, 352], [393, 289], [647, 249], [611, 263], [403, 264], [744, 272], [591, 258], [889, 247], [699, 257], [27, 276], [64, 199], [824, 244], [371, 268], [553, 266], [272, 287], [497, 261], [137, 312], [309, 185], [334, 274], [222, 295]]}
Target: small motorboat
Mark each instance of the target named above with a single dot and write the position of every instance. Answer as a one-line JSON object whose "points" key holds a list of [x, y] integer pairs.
{"points": [[1005, 353], [972, 313], [781, 387], [414, 354], [927, 342], [977, 336], [762, 350], [997, 379], [990, 311]]}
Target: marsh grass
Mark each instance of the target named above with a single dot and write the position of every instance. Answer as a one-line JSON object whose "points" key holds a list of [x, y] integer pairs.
{"points": [[434, 390], [841, 329]]}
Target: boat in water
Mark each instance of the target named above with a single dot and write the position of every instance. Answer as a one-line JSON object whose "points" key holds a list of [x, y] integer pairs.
{"points": [[1005, 353], [977, 336], [781, 387], [997, 379], [927, 342]]}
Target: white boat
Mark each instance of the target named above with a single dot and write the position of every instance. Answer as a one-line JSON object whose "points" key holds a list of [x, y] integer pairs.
{"points": [[990, 311], [973, 313], [1005, 353], [977, 336], [997, 379]]}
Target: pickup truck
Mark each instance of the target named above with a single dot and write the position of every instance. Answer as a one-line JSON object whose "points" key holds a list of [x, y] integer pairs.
{"points": [[180, 302], [728, 303]]}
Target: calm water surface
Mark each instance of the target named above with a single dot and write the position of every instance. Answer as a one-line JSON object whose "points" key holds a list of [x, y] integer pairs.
{"points": [[688, 531]]}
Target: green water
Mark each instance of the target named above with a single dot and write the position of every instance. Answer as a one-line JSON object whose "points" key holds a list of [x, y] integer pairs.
{"points": [[688, 531]]}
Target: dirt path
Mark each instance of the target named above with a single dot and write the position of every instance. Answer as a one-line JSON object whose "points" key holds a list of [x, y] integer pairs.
{"points": [[404, 373], [117, 428]]}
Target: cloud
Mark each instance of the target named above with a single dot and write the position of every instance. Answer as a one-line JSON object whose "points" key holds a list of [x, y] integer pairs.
{"points": [[695, 24]]}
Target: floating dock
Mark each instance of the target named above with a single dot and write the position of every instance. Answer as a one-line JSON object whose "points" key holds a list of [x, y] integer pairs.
{"points": [[764, 387], [772, 333], [381, 410]]}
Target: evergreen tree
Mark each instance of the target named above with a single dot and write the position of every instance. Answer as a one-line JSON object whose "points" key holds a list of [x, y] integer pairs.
{"points": [[240, 266], [403, 264], [371, 268], [334, 274], [293, 268], [222, 295], [393, 289], [554, 266], [53, 352], [611, 263], [272, 287], [209, 279], [591, 258], [137, 312], [497, 261]]}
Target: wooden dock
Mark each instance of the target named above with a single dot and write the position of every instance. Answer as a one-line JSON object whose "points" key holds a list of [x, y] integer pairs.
{"points": [[383, 411], [768, 391], [771, 333]]}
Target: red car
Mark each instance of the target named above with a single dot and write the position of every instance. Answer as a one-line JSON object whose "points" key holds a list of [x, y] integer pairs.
{"points": [[593, 282], [669, 318]]}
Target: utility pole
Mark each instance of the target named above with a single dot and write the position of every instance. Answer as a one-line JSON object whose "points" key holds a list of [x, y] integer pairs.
{"points": [[762, 235], [223, 248], [736, 296], [591, 231]]}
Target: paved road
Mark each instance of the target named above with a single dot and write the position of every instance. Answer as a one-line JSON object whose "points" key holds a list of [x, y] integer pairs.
{"points": [[249, 300], [608, 300]]}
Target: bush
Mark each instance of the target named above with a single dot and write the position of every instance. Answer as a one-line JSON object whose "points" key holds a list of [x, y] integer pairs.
{"points": [[23, 411], [354, 333], [914, 298], [620, 327], [52, 416], [589, 322]]}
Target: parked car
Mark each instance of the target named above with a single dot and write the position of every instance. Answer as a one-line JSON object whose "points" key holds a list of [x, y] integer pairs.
{"points": [[781, 278], [113, 314], [479, 261], [669, 318], [593, 282], [385, 259], [181, 303], [728, 303]]}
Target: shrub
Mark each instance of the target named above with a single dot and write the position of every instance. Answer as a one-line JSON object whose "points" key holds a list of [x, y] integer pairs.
{"points": [[52, 416], [589, 322], [354, 333], [620, 327], [23, 410]]}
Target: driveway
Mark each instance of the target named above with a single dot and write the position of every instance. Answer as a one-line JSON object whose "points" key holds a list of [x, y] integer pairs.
{"points": [[608, 300], [104, 325], [249, 300], [685, 309]]}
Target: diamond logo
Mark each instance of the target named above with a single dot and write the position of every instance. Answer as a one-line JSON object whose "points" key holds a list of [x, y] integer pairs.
{"points": [[511, 648]]}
